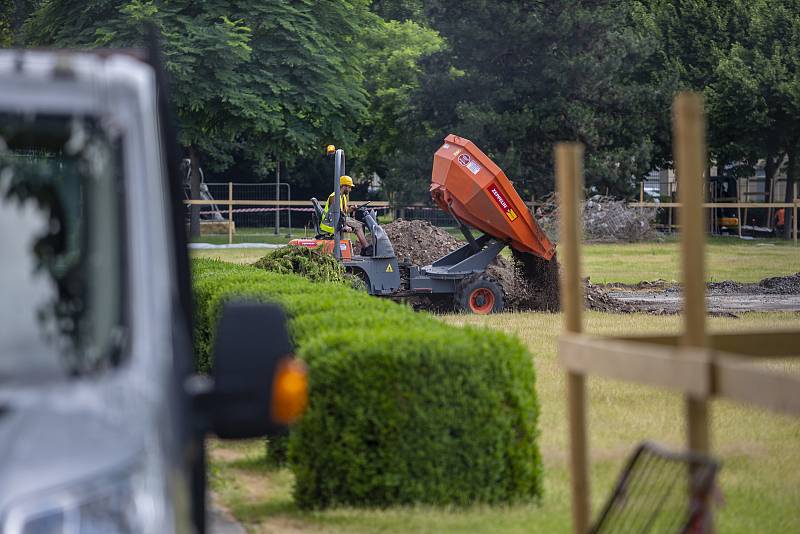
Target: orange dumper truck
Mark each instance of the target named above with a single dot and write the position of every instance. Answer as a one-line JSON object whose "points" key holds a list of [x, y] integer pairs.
{"points": [[469, 186]]}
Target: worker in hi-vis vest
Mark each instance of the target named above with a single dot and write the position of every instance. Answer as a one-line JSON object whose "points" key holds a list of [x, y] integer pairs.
{"points": [[350, 224]]}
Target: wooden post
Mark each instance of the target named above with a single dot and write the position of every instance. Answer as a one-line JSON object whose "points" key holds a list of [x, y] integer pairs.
{"points": [[690, 157], [230, 213], [569, 175], [794, 222]]}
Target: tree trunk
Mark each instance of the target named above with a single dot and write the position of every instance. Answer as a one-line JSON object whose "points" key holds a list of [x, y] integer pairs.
{"points": [[20, 14], [194, 186], [791, 173], [770, 169]]}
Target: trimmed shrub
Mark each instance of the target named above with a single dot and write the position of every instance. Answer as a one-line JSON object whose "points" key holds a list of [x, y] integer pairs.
{"points": [[309, 263], [403, 409], [438, 416]]}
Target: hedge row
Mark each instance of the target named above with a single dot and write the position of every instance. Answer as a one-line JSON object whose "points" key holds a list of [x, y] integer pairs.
{"points": [[403, 408]]}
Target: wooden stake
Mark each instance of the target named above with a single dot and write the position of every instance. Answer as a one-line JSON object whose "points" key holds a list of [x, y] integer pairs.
{"points": [[689, 139], [690, 159], [569, 174]]}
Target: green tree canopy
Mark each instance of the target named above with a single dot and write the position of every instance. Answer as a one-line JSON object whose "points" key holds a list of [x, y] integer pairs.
{"points": [[755, 97], [393, 51], [266, 81], [518, 76]]}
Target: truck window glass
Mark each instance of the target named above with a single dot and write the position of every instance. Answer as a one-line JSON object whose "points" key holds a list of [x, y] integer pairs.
{"points": [[60, 246]]}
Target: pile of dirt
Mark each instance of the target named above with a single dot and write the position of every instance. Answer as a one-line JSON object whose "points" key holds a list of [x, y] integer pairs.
{"points": [[529, 282], [724, 287], [604, 219], [784, 285], [596, 298], [657, 284], [419, 242], [535, 283], [775, 285]]}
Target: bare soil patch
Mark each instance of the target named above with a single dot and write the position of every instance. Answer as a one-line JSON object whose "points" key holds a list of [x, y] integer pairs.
{"points": [[777, 293], [529, 282]]}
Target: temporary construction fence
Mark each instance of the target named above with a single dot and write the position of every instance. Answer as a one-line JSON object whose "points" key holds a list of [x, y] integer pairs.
{"points": [[716, 209], [259, 220], [702, 366], [426, 212], [245, 212]]}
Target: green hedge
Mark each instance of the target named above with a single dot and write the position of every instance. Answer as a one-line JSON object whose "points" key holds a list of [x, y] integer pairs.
{"points": [[403, 408]]}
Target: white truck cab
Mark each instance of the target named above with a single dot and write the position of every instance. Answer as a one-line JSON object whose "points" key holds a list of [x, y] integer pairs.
{"points": [[102, 421]]}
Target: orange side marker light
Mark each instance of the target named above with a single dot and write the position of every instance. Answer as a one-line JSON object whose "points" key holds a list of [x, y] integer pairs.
{"points": [[289, 391]]}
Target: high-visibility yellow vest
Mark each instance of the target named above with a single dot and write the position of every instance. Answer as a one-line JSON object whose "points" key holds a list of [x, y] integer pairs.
{"points": [[326, 218]]}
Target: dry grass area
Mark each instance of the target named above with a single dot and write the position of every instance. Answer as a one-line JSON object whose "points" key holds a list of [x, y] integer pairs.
{"points": [[760, 451]]}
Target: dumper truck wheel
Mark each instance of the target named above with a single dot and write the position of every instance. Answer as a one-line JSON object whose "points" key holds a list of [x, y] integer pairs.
{"points": [[481, 294]]}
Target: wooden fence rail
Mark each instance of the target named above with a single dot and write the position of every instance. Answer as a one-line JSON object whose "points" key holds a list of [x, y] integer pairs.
{"points": [[702, 366], [794, 206], [278, 204]]}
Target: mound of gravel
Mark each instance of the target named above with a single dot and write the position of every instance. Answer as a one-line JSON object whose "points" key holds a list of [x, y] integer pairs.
{"points": [[785, 285], [775, 285]]}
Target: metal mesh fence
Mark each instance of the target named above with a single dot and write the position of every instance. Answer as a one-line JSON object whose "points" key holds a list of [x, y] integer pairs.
{"points": [[660, 492], [252, 222], [432, 214], [257, 219]]}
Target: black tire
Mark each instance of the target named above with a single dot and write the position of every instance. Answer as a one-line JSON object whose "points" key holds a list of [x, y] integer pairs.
{"points": [[480, 294]]}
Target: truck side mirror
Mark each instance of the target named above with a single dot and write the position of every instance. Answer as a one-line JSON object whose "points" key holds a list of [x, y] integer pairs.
{"points": [[259, 387]]}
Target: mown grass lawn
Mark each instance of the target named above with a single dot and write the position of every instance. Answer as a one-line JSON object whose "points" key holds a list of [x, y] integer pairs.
{"points": [[257, 235], [727, 259], [760, 451]]}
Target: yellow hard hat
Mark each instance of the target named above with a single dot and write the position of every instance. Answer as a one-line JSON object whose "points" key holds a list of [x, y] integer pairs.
{"points": [[345, 180]]}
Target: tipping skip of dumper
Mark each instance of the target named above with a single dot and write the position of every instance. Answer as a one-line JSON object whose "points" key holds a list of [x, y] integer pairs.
{"points": [[476, 192]]}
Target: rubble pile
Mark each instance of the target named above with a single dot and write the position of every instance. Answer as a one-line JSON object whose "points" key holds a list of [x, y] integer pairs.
{"points": [[603, 219]]}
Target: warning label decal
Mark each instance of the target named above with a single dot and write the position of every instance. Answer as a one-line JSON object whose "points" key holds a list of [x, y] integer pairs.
{"points": [[464, 159], [498, 197], [389, 268]]}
